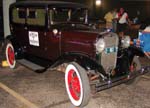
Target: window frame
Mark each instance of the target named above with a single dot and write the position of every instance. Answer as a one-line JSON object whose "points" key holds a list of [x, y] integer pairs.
{"points": [[12, 16], [45, 16], [52, 22]]}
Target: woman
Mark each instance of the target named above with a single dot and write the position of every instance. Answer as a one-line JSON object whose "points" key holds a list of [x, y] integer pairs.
{"points": [[123, 21]]}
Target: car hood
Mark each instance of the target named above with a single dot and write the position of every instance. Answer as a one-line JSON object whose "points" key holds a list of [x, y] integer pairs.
{"points": [[80, 28]]}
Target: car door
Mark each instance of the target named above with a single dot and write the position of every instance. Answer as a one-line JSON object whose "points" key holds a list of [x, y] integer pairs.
{"points": [[18, 24], [36, 32], [53, 44], [53, 39]]}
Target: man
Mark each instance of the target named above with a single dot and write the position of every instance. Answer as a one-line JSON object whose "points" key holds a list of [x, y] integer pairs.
{"points": [[109, 18]]}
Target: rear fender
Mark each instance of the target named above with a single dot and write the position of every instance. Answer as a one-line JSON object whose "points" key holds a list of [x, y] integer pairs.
{"points": [[14, 42]]}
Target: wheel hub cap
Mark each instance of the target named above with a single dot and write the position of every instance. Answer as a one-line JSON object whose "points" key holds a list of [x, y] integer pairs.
{"points": [[74, 84], [11, 56]]}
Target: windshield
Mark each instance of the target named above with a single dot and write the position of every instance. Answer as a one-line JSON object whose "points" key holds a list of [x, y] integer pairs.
{"points": [[68, 15]]}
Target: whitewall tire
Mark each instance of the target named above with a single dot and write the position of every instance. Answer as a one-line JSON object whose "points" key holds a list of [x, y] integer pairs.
{"points": [[10, 55], [77, 85]]}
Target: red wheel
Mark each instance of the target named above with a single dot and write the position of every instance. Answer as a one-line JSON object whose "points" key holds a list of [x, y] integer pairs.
{"points": [[10, 55], [77, 85]]}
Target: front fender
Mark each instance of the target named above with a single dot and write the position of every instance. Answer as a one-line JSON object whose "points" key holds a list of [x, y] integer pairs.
{"points": [[86, 62], [131, 52], [126, 57], [136, 51]]}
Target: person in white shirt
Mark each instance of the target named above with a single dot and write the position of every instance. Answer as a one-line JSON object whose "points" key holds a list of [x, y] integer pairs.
{"points": [[123, 21]]}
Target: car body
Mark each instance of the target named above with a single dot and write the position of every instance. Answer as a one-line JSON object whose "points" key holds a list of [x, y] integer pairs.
{"points": [[47, 34]]}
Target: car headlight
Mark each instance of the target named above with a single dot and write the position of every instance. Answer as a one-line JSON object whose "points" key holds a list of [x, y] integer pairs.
{"points": [[100, 45], [126, 42]]}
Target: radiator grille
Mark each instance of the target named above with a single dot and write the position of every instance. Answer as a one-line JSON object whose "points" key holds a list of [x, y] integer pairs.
{"points": [[109, 55]]}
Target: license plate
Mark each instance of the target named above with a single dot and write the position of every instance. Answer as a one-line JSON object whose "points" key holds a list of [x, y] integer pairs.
{"points": [[33, 38], [111, 50]]}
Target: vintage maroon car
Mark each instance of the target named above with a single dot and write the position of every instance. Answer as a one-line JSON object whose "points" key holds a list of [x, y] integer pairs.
{"points": [[48, 34]]}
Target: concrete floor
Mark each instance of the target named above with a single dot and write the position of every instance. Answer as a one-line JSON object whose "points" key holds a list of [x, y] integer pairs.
{"points": [[47, 90], [23, 88]]}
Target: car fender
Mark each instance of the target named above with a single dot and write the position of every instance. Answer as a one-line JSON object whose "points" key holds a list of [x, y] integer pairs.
{"points": [[85, 61], [17, 48], [136, 51]]}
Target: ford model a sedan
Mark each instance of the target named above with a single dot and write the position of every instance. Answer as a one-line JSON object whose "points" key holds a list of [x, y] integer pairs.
{"points": [[48, 34]]}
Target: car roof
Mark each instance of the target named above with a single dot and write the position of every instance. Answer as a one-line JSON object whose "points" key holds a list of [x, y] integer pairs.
{"points": [[47, 4]]}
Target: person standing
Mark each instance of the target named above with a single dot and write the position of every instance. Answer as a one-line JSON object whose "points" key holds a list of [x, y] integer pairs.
{"points": [[108, 18], [123, 21], [114, 21]]}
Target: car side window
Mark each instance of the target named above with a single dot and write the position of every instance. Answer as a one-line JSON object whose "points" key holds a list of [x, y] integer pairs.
{"points": [[18, 15], [36, 17], [60, 15]]}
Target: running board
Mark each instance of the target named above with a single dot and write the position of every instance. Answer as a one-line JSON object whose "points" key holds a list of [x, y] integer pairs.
{"points": [[30, 65]]}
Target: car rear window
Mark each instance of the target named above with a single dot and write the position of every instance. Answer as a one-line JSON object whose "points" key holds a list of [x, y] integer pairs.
{"points": [[18, 15]]}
